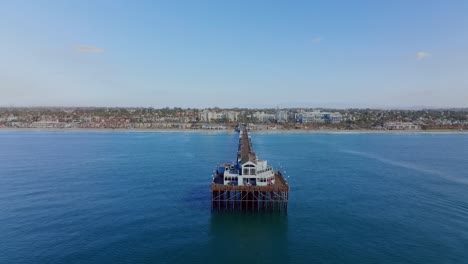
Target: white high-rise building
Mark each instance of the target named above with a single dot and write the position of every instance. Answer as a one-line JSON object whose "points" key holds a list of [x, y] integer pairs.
{"points": [[319, 117], [281, 116], [209, 116]]}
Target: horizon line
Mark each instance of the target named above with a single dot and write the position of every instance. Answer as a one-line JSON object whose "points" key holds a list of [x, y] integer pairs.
{"points": [[409, 108]]}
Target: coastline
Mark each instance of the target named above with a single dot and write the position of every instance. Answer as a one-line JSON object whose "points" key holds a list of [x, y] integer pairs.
{"points": [[362, 131], [229, 131], [117, 130]]}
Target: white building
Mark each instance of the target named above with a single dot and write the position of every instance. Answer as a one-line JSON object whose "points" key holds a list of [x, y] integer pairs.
{"points": [[11, 118], [311, 117], [232, 116], [401, 126], [281, 116], [205, 115], [319, 117], [263, 117], [209, 116], [333, 117]]}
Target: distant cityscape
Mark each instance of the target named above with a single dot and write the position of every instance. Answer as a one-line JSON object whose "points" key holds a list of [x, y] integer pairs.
{"points": [[224, 119]]}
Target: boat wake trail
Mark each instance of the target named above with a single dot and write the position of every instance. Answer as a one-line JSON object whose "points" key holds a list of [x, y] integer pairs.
{"points": [[407, 165]]}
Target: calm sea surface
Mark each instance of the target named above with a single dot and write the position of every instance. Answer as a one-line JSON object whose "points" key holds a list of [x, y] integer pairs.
{"points": [[76, 197]]}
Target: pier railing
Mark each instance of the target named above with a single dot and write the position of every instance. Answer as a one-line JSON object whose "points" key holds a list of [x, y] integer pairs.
{"points": [[270, 188], [281, 185]]}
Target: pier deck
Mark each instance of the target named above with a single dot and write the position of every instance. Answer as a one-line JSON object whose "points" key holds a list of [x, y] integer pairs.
{"points": [[280, 185]]}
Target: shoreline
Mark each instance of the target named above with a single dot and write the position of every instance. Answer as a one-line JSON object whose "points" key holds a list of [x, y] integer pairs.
{"points": [[229, 131], [117, 130]]}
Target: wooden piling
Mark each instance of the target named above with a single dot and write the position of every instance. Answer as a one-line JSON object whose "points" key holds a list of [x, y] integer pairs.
{"points": [[272, 198]]}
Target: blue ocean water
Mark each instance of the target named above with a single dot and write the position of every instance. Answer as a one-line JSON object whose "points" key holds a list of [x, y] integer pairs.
{"points": [[84, 197]]}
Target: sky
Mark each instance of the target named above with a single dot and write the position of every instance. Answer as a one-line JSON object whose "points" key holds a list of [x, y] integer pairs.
{"points": [[337, 54]]}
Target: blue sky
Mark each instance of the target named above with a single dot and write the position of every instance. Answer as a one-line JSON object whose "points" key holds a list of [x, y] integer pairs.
{"points": [[234, 53]]}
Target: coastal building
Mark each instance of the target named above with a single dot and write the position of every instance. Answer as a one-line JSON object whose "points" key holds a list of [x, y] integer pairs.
{"points": [[310, 117], [211, 116], [231, 116], [401, 126], [11, 118], [281, 116], [319, 117], [263, 117], [333, 117], [207, 116]]}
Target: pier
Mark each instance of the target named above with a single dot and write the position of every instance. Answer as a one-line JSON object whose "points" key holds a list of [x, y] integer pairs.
{"points": [[249, 184]]}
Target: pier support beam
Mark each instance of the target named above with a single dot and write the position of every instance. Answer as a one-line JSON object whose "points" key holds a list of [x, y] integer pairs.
{"points": [[250, 198]]}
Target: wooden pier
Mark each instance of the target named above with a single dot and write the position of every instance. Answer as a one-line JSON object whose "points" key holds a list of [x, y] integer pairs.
{"points": [[273, 198], [249, 185]]}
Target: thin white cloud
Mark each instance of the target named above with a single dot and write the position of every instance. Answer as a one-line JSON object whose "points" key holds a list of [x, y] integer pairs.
{"points": [[422, 55], [89, 49], [316, 40]]}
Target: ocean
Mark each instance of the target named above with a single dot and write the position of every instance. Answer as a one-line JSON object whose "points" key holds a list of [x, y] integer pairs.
{"points": [[127, 197]]}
